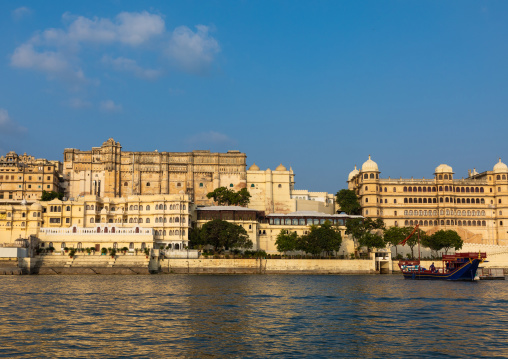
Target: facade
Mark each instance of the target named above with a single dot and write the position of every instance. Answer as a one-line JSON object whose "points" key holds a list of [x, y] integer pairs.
{"points": [[152, 220], [273, 192], [25, 177], [476, 206], [263, 230], [107, 171]]}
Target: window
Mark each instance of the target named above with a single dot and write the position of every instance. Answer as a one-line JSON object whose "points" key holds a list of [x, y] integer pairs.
{"points": [[280, 186], [394, 189], [201, 185], [91, 220], [394, 201], [148, 184], [67, 220], [125, 184], [366, 200], [252, 185], [231, 185]]}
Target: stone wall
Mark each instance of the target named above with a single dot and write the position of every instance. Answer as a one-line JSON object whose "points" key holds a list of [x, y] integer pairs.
{"points": [[267, 266]]}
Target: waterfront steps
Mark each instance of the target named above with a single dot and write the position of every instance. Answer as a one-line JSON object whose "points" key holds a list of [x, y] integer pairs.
{"points": [[93, 264]]}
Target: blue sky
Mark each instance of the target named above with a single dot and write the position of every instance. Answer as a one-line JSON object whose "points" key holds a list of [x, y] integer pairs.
{"points": [[316, 85]]}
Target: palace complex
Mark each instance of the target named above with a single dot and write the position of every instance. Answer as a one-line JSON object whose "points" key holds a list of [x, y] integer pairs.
{"points": [[115, 198], [476, 206]]}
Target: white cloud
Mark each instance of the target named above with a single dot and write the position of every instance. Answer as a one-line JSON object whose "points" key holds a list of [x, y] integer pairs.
{"points": [[50, 62], [7, 126], [127, 28], [21, 12], [129, 65], [110, 106], [210, 138], [193, 51], [79, 103]]}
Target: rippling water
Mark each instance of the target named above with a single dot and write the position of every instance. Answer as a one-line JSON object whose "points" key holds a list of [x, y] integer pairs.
{"points": [[251, 316]]}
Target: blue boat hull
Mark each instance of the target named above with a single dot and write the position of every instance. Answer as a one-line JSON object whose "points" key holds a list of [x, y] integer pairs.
{"points": [[467, 272]]}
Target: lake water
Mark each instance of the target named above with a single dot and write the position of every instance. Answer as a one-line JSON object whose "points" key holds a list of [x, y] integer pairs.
{"points": [[251, 316]]}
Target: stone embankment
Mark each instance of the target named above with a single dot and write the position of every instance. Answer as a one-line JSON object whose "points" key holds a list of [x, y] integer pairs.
{"points": [[84, 264], [267, 266], [126, 264]]}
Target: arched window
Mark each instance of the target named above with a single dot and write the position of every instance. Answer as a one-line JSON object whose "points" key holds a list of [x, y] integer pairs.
{"points": [[68, 208], [91, 220], [446, 188], [130, 220], [147, 220], [131, 245], [419, 200], [406, 222], [483, 213], [442, 222], [410, 200], [177, 220], [441, 212], [165, 220], [459, 223], [481, 189], [165, 207], [440, 177], [230, 185], [447, 222], [447, 199], [405, 212], [131, 207], [498, 177], [405, 189], [280, 186], [405, 200], [419, 189], [386, 189], [140, 220], [440, 188], [425, 199], [434, 200], [425, 223], [147, 207], [424, 189], [445, 176], [441, 200], [125, 184], [148, 184], [433, 189], [410, 189], [484, 223], [365, 176], [366, 188]]}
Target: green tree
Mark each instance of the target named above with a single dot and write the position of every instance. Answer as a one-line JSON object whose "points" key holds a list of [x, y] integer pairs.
{"points": [[227, 197], [323, 238], [48, 196], [360, 229], [372, 240], [286, 242], [224, 235], [393, 236], [444, 240], [348, 202]]}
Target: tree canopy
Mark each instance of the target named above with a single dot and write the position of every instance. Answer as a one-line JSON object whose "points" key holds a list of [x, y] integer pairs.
{"points": [[227, 197], [322, 238], [286, 242], [362, 230], [348, 202], [221, 235], [48, 196], [444, 239]]}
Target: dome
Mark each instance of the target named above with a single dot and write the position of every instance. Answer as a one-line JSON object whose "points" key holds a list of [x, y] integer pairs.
{"points": [[36, 207], [352, 174], [500, 167], [254, 167], [369, 166], [442, 168], [281, 168]]}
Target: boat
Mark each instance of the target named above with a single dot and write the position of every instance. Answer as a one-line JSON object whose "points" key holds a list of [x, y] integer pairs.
{"points": [[491, 274], [458, 266]]}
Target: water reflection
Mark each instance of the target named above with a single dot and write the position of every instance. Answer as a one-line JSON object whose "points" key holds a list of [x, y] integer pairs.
{"points": [[250, 316]]}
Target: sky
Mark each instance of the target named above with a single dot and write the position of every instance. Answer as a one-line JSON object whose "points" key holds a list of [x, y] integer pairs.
{"points": [[315, 85]]}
